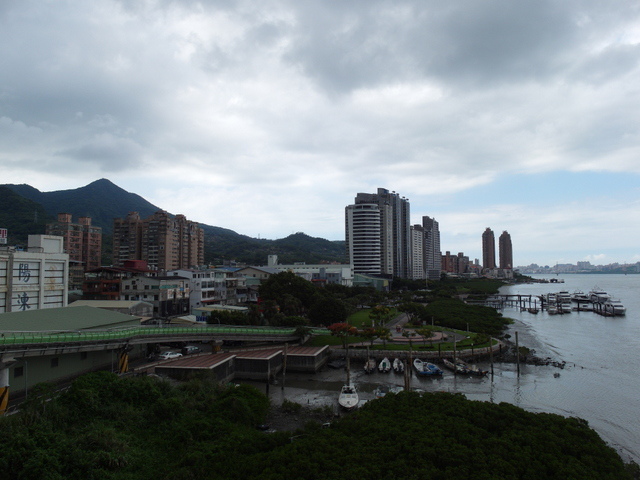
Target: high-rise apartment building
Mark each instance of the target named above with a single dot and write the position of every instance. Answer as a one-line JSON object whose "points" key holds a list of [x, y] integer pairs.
{"points": [[488, 249], [82, 241], [432, 253], [388, 237], [418, 270], [364, 239], [163, 241], [505, 250], [127, 239]]}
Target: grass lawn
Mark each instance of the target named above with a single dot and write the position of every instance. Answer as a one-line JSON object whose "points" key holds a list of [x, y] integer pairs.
{"points": [[417, 345]]}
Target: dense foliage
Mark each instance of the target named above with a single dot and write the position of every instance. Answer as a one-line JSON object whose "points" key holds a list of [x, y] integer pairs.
{"points": [[107, 427], [21, 217], [454, 313]]}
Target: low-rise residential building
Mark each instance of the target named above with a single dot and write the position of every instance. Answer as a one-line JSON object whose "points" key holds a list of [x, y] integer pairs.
{"points": [[104, 283], [216, 286], [169, 295], [36, 278], [341, 274]]}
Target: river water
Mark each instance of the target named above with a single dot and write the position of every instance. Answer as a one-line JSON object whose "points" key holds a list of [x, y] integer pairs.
{"points": [[599, 382]]}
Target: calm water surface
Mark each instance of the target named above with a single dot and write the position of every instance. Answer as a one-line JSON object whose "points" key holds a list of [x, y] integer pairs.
{"points": [[599, 384]]}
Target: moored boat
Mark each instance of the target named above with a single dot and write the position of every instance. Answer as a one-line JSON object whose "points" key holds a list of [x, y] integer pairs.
{"points": [[614, 306], [564, 308], [473, 369], [398, 365], [579, 297], [597, 295], [426, 369], [381, 391], [456, 367], [370, 365], [348, 398], [384, 366]]}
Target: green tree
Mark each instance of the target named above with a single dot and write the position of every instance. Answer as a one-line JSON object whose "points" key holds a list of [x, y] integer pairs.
{"points": [[344, 331], [413, 310], [426, 333], [379, 315], [278, 286], [327, 310]]}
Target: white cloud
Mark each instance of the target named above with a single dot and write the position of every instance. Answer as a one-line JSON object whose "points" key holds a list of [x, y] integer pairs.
{"points": [[284, 110]]}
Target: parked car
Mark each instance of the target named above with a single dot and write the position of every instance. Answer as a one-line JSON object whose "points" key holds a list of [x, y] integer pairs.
{"points": [[169, 355], [189, 349]]}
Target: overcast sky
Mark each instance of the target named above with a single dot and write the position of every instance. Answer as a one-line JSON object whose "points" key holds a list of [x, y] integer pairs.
{"points": [[269, 117]]}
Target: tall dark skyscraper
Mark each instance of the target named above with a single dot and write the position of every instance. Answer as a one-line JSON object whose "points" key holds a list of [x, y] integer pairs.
{"points": [[506, 252], [488, 249]]}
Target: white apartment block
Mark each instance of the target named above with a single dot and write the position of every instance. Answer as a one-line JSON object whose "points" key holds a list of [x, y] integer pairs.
{"points": [[214, 286], [36, 278]]}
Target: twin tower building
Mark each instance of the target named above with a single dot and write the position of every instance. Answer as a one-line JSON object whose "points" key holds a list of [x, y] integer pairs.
{"points": [[380, 239]]}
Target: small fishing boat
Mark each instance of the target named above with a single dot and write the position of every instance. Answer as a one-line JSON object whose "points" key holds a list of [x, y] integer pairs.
{"points": [[381, 391], [384, 366], [473, 369], [456, 367], [426, 369], [398, 365], [348, 399], [370, 365]]}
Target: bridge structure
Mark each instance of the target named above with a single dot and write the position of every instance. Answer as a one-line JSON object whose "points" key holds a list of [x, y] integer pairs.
{"points": [[16, 345]]}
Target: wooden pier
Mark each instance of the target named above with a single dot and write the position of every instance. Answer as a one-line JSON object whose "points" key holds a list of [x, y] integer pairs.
{"points": [[498, 302]]}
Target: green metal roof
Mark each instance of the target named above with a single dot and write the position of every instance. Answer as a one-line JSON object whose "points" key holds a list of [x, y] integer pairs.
{"points": [[64, 319]]}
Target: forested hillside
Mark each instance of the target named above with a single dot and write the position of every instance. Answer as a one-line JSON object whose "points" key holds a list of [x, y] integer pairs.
{"points": [[103, 201], [109, 428], [21, 216]]}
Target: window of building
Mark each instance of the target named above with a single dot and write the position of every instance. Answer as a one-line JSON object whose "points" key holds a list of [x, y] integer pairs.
{"points": [[54, 362], [18, 372]]}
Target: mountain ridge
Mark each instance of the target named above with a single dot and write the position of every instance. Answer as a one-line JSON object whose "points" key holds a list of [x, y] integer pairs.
{"points": [[102, 200]]}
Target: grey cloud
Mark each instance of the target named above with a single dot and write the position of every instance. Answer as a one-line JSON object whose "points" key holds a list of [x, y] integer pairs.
{"points": [[109, 153], [463, 43]]}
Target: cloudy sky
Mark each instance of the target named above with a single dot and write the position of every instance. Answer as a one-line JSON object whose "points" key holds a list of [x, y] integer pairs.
{"points": [[269, 117]]}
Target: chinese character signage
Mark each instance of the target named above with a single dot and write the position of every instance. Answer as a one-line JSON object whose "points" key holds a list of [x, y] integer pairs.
{"points": [[3, 235]]}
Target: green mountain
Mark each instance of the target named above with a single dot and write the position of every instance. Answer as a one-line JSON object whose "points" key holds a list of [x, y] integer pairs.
{"points": [[21, 216], [30, 210], [101, 200]]}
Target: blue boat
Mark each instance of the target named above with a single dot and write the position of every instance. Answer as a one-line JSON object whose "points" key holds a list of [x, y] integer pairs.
{"points": [[426, 369]]}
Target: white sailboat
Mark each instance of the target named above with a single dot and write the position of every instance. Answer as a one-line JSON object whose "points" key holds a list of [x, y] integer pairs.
{"points": [[348, 398]]}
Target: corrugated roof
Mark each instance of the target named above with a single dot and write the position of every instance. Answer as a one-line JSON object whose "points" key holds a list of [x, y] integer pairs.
{"points": [[108, 303], [198, 361], [64, 319]]}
